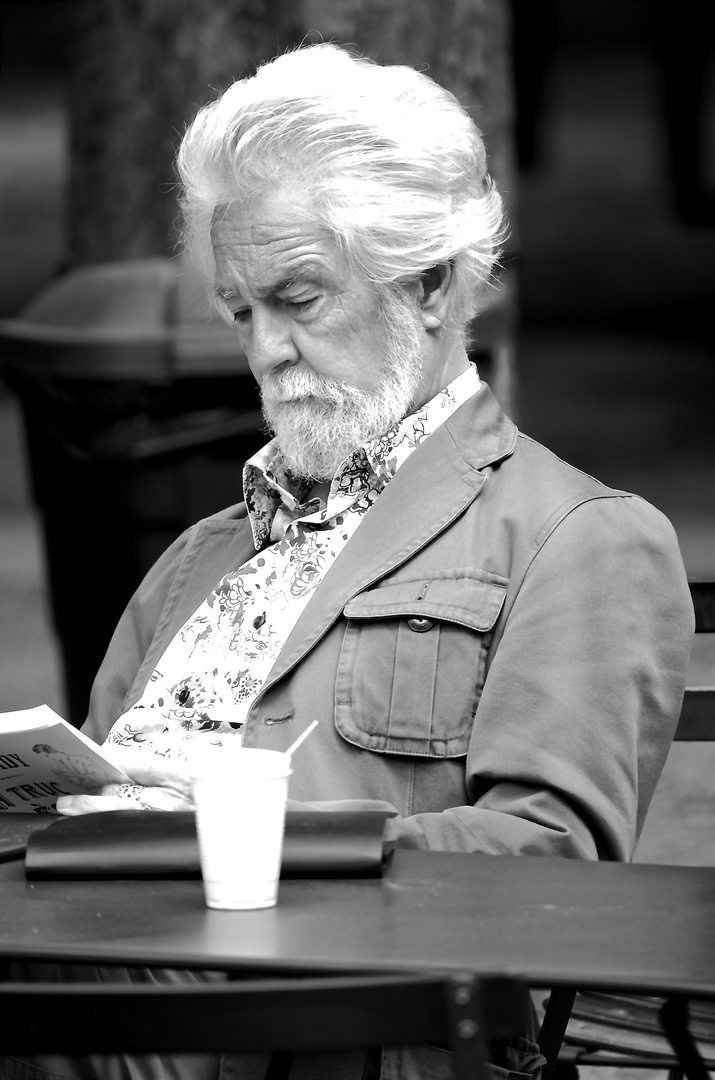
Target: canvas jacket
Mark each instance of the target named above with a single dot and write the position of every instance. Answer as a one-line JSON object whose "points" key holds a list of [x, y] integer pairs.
{"points": [[498, 654]]}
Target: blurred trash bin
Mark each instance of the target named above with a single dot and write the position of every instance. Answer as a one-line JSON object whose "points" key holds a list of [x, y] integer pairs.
{"points": [[139, 411]]}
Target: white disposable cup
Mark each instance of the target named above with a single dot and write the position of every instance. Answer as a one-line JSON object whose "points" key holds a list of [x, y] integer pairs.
{"points": [[240, 798]]}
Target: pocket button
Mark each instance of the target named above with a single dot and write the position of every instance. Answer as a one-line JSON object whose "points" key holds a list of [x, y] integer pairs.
{"points": [[420, 625]]}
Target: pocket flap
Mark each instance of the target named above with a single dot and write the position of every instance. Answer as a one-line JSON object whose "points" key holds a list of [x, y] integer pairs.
{"points": [[461, 597]]}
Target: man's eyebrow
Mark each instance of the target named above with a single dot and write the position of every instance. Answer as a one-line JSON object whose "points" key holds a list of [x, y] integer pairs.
{"points": [[229, 296], [310, 269]]}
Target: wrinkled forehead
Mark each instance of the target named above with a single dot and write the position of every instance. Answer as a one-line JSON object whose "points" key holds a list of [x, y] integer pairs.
{"points": [[271, 239], [278, 207]]}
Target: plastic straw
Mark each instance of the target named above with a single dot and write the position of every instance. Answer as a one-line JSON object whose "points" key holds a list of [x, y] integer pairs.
{"points": [[300, 739]]}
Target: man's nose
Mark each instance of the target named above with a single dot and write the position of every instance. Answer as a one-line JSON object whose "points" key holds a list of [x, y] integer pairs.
{"points": [[271, 342]]}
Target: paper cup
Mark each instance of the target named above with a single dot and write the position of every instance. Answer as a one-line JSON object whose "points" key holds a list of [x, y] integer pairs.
{"points": [[240, 799]]}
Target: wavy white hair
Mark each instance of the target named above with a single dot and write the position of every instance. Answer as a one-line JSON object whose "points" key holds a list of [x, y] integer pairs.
{"points": [[393, 166]]}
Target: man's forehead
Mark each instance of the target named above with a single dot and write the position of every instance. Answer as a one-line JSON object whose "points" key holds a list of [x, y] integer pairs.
{"points": [[270, 245], [281, 216]]}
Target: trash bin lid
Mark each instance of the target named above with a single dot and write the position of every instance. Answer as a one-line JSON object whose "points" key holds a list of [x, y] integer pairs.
{"points": [[141, 318]]}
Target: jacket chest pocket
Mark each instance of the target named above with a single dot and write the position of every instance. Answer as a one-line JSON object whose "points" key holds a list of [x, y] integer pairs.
{"points": [[412, 664]]}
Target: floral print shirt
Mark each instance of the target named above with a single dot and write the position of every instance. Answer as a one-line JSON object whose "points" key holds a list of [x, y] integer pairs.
{"points": [[213, 669]]}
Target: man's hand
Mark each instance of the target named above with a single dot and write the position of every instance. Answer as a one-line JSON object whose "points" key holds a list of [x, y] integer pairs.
{"points": [[156, 785]]}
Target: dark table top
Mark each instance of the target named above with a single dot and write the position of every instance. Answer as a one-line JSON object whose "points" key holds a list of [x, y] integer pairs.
{"points": [[557, 922], [16, 828]]}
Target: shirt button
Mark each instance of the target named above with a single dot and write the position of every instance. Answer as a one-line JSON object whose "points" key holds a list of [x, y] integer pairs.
{"points": [[420, 625]]}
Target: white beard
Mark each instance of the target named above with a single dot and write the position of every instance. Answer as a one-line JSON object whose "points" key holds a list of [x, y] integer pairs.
{"points": [[318, 421]]}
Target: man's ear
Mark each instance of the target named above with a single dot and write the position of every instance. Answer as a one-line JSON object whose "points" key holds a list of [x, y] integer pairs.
{"points": [[433, 289]]}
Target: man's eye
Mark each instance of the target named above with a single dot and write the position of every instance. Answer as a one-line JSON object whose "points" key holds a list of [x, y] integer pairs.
{"points": [[300, 305], [242, 315]]}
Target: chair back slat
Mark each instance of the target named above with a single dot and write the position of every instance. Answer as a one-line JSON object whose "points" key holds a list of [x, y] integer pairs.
{"points": [[702, 591], [460, 1012], [697, 716]]}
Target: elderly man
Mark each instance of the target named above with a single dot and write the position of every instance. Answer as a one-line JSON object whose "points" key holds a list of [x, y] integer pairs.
{"points": [[494, 643]]}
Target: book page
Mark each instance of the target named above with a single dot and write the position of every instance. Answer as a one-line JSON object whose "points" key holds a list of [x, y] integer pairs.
{"points": [[43, 757]]}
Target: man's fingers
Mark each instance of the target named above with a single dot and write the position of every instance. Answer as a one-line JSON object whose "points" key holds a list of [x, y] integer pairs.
{"points": [[154, 772], [126, 797], [161, 798], [73, 805]]}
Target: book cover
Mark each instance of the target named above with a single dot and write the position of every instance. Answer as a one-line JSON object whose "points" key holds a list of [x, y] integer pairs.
{"points": [[43, 757]]}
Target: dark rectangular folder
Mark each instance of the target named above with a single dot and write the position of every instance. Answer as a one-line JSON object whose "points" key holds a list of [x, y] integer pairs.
{"points": [[163, 844]]}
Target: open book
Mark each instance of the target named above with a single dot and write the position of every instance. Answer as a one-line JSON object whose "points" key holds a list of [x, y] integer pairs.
{"points": [[43, 757]]}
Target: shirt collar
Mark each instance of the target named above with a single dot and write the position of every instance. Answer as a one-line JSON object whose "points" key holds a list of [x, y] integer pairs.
{"points": [[268, 485]]}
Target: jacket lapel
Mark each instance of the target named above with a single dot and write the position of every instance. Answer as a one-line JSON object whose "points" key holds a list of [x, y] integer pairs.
{"points": [[434, 486]]}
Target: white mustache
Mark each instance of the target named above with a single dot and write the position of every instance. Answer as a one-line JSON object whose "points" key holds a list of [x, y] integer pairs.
{"points": [[296, 384]]}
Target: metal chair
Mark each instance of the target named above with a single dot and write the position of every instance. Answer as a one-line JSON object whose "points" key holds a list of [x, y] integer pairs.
{"points": [[463, 1013], [637, 1031]]}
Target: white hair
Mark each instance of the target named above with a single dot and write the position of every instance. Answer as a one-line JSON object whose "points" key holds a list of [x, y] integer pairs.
{"points": [[393, 166]]}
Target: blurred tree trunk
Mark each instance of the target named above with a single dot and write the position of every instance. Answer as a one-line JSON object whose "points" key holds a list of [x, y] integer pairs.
{"points": [[142, 67]]}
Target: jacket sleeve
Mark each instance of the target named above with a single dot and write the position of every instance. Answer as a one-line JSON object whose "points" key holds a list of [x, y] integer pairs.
{"points": [[131, 640], [173, 588], [582, 695]]}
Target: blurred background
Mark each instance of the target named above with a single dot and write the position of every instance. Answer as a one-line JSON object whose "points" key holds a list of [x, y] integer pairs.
{"points": [[599, 118]]}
